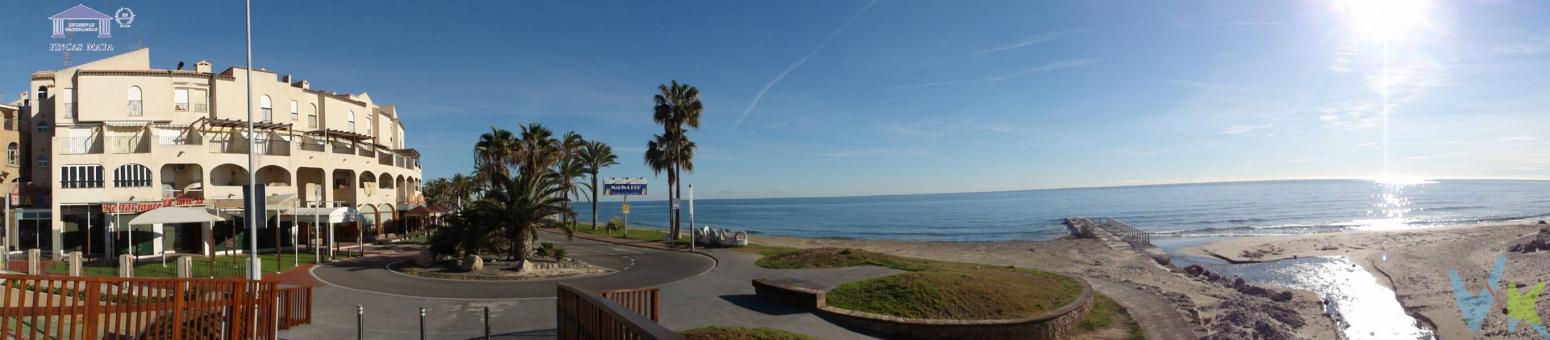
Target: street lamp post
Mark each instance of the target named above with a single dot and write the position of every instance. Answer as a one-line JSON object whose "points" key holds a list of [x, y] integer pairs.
{"points": [[254, 272]]}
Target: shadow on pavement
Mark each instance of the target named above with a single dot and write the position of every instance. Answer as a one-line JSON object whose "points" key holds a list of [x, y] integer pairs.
{"points": [[535, 334], [758, 304]]}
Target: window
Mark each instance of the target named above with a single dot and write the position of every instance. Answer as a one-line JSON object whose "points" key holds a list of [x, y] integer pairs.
{"points": [[132, 176], [69, 100], [369, 124], [349, 121], [266, 108], [295, 111], [80, 176], [12, 154], [42, 127], [136, 105], [201, 101], [42, 163], [180, 99], [312, 116]]}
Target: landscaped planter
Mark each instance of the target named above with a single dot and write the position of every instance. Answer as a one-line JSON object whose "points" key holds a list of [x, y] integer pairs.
{"points": [[1055, 324]]}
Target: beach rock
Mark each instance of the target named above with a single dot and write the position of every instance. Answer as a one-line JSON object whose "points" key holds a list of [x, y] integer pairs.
{"points": [[1194, 270], [472, 263], [1537, 242], [425, 258]]}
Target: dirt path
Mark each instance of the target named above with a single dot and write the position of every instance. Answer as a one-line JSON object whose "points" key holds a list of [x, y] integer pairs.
{"points": [[1156, 316]]}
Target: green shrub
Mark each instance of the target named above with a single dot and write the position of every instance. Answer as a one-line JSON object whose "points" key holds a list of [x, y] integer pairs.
{"points": [[615, 223], [559, 253]]}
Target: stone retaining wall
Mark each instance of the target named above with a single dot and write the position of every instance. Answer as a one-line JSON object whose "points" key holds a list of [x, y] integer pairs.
{"points": [[1056, 324]]}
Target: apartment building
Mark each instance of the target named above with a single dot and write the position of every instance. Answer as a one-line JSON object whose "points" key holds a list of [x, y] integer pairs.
{"points": [[115, 138]]}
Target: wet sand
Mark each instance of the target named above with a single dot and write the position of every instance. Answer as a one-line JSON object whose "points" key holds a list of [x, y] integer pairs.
{"points": [[1415, 264]]}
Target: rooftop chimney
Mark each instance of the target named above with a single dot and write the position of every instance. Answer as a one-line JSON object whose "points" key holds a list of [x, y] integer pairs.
{"points": [[202, 66], [286, 79]]}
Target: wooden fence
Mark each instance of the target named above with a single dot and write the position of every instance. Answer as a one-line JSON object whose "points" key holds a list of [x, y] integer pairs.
{"points": [[642, 300], [59, 307], [588, 315]]}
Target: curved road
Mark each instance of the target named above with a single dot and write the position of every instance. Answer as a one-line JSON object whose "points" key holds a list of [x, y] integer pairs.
{"points": [[634, 267]]}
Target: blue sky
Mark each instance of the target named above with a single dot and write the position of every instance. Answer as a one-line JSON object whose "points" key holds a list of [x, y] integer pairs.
{"points": [[821, 98]]}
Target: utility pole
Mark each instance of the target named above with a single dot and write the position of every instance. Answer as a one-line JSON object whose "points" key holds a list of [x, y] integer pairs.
{"points": [[254, 272]]}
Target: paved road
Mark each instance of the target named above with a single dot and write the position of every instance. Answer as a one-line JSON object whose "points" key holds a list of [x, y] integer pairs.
{"points": [[634, 268]]}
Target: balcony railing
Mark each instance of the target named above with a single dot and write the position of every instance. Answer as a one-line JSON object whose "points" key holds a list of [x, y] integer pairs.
{"points": [[136, 108], [128, 144], [366, 151], [384, 158], [81, 145], [229, 146], [312, 145], [184, 139], [343, 148], [275, 147]]}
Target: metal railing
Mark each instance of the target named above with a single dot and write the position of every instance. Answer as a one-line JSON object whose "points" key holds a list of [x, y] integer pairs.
{"points": [[229, 146], [59, 307], [1137, 238], [81, 145], [312, 145], [384, 158], [136, 108], [128, 144], [586, 315], [343, 148], [275, 147]]}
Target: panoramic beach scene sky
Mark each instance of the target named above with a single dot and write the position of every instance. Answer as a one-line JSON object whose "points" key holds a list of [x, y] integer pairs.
{"points": [[839, 98], [836, 169]]}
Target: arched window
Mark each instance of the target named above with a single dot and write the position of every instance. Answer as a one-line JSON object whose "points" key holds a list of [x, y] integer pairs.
{"points": [[42, 93], [312, 116], [132, 176], [349, 122], [136, 104], [12, 154], [266, 108], [295, 111]]}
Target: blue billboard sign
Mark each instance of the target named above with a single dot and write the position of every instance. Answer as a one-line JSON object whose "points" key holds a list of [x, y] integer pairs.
{"points": [[624, 187]]}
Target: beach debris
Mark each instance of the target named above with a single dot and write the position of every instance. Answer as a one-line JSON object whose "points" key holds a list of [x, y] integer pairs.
{"points": [[1533, 243]]}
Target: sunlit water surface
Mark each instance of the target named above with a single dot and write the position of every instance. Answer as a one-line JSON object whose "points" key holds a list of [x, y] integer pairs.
{"points": [[1363, 308]]}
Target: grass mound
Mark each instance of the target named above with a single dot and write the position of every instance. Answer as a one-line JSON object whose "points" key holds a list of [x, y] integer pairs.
{"points": [[959, 291], [741, 333], [1107, 316], [778, 258]]}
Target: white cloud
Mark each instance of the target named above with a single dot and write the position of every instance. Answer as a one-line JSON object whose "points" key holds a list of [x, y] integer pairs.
{"points": [[1242, 129], [760, 95], [930, 84]]}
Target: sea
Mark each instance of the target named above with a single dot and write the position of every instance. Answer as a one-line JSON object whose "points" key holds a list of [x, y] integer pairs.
{"points": [[1181, 210]]}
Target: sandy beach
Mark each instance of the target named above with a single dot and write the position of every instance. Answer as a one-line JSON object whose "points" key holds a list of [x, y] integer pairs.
{"points": [[1416, 263]]}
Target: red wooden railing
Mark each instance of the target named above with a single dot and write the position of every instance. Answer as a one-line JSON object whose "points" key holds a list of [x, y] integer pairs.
{"points": [[59, 307], [642, 300], [588, 315]]}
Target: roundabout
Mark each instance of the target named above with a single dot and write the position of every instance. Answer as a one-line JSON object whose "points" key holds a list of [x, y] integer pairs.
{"points": [[631, 267]]}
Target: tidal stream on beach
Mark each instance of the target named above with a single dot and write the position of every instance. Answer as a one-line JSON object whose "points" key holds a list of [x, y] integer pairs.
{"points": [[1361, 306]]}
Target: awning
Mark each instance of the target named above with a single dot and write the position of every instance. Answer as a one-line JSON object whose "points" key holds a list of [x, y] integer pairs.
{"points": [[176, 215], [413, 210], [321, 215]]}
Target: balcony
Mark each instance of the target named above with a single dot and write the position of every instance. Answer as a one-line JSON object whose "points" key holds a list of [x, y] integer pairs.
{"points": [[384, 158], [136, 108], [229, 146], [128, 145], [343, 148], [81, 145], [312, 145], [274, 147], [365, 151], [180, 140]]}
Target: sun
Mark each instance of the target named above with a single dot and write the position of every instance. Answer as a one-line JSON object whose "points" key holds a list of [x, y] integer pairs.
{"points": [[1384, 20]]}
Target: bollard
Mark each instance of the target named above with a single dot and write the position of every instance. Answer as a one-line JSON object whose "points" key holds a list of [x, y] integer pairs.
{"points": [[422, 323], [360, 322], [32, 262], [74, 260], [126, 266], [186, 267], [486, 322]]}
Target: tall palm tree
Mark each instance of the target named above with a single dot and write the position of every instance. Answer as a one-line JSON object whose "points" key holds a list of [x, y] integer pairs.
{"points": [[597, 156], [463, 189], [494, 154], [565, 173], [537, 149], [677, 106], [659, 159]]}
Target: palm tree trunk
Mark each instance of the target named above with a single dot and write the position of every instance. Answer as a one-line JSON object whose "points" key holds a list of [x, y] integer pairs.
{"points": [[678, 213], [672, 229], [594, 201]]}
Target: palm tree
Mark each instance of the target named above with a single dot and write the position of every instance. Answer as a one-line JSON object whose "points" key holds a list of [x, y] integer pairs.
{"points": [[659, 159], [463, 188], [537, 149], [518, 205], [677, 106], [565, 173], [597, 156], [494, 154]]}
